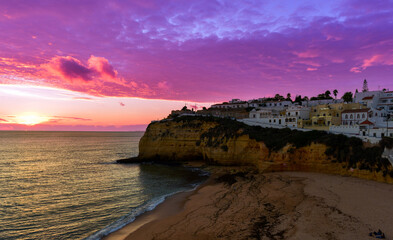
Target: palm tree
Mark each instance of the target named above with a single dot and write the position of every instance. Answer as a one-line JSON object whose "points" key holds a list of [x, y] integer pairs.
{"points": [[335, 93]]}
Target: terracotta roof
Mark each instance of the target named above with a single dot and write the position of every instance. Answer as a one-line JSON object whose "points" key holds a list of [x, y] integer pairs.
{"points": [[356, 110], [367, 122], [368, 98], [386, 97]]}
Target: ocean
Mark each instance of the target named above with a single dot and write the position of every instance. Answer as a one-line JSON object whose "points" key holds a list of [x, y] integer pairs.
{"points": [[66, 185]]}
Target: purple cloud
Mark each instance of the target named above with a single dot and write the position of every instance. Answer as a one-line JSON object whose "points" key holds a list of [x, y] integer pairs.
{"points": [[198, 50], [69, 68]]}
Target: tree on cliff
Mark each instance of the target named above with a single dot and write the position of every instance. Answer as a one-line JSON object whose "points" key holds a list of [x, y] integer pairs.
{"points": [[184, 108], [335, 93], [289, 97], [327, 94], [347, 97], [365, 86], [278, 97]]}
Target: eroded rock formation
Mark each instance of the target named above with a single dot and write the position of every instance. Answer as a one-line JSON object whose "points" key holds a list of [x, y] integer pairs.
{"points": [[227, 142]]}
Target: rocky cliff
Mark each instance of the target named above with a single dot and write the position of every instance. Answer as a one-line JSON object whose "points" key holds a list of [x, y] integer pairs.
{"points": [[227, 142]]}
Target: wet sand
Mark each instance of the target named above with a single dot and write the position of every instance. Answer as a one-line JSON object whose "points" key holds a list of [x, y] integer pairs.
{"points": [[287, 205]]}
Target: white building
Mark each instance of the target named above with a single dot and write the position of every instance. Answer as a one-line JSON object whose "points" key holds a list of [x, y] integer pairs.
{"points": [[231, 104], [295, 113], [359, 96], [314, 103], [353, 117], [255, 103], [386, 101], [278, 104], [300, 112]]}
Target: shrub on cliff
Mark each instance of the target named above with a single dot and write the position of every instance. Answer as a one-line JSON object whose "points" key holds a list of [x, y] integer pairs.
{"points": [[347, 150]]}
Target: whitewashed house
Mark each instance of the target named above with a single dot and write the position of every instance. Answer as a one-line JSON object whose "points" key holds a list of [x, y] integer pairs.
{"points": [[314, 103], [353, 117], [295, 113], [234, 103], [278, 104], [386, 101]]}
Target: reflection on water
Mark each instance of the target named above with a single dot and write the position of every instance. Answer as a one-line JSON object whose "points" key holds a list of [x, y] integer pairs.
{"points": [[63, 185]]}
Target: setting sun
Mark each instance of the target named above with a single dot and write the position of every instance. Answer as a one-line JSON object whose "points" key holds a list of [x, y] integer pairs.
{"points": [[31, 119]]}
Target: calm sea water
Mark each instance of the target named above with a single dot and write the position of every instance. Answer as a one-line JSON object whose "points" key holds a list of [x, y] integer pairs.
{"points": [[65, 185]]}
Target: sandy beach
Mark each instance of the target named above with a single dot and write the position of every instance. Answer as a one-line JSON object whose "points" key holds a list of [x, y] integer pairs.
{"points": [[287, 205]]}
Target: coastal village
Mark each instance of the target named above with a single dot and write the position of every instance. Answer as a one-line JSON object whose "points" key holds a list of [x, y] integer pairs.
{"points": [[366, 114]]}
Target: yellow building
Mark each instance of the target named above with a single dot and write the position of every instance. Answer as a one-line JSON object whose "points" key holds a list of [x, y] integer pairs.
{"points": [[323, 116]]}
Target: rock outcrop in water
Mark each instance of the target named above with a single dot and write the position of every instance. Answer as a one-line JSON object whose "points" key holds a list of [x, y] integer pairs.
{"points": [[227, 142]]}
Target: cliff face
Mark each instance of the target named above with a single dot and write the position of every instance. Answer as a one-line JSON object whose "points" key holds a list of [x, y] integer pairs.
{"points": [[217, 143]]}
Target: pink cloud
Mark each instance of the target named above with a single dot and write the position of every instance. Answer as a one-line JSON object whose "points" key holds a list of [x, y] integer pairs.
{"points": [[312, 69], [63, 127], [202, 51], [70, 69], [83, 98], [102, 67], [71, 118], [163, 85], [121, 104], [378, 59], [307, 54]]}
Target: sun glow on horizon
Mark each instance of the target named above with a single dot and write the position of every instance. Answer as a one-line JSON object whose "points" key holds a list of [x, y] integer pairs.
{"points": [[30, 119]]}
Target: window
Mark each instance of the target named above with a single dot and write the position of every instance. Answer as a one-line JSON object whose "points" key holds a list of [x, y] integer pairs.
{"points": [[346, 116], [376, 114], [351, 116], [363, 116], [358, 116], [297, 113]]}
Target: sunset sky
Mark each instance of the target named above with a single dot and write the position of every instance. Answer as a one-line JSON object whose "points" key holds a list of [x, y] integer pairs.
{"points": [[117, 65]]}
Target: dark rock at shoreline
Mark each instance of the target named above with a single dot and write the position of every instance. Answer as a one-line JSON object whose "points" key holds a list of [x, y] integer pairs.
{"points": [[130, 160]]}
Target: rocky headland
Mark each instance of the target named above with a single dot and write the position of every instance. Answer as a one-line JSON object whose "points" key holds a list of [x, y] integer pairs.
{"points": [[218, 141]]}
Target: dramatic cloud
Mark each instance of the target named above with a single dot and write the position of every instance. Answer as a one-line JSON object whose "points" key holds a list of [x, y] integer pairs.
{"points": [[204, 50], [102, 67], [73, 70]]}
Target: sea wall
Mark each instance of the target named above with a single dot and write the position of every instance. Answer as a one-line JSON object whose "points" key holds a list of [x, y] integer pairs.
{"points": [[228, 142]]}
